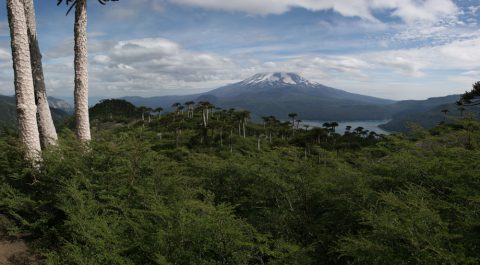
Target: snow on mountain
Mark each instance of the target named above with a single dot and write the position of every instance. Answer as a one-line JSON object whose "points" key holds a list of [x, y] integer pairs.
{"points": [[277, 78], [280, 93]]}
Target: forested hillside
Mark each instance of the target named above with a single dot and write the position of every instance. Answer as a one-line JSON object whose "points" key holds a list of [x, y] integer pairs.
{"points": [[205, 186], [8, 117], [427, 113]]}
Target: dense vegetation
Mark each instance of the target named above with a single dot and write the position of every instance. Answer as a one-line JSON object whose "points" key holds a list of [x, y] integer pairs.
{"points": [[427, 112], [181, 188]]}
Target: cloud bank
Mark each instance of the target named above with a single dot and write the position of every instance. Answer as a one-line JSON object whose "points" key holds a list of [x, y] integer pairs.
{"points": [[408, 10]]}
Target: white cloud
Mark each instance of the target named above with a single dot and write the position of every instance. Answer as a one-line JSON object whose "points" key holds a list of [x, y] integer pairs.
{"points": [[131, 9], [152, 64], [408, 10]]}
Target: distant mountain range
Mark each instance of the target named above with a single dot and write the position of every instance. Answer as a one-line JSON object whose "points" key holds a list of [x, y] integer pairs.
{"points": [[281, 93], [59, 108], [426, 113]]}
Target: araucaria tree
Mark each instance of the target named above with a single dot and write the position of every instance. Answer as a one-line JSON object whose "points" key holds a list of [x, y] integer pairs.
{"points": [[48, 134], [81, 67], [293, 116], [81, 72], [24, 91]]}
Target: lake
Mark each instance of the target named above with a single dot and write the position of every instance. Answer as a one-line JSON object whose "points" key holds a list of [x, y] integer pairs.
{"points": [[371, 125]]}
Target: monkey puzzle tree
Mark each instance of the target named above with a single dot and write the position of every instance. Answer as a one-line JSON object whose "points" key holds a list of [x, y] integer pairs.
{"points": [[334, 125], [444, 111], [48, 134], [205, 107], [244, 116], [81, 66], [470, 98], [24, 90], [159, 111], [189, 105], [359, 131], [176, 106], [143, 110], [149, 113], [181, 109], [293, 116], [297, 124]]}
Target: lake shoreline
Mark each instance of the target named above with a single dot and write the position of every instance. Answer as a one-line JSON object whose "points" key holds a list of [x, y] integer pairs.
{"points": [[371, 125]]}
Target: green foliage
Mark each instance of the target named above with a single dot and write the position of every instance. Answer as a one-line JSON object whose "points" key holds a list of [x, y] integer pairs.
{"points": [[110, 109], [174, 191]]}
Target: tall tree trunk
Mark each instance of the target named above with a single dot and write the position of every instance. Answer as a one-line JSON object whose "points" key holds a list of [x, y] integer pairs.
{"points": [[24, 92], [48, 134], [204, 119], [81, 72], [207, 114], [244, 133], [221, 137]]}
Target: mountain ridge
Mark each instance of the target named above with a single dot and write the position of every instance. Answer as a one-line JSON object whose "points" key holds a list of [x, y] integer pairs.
{"points": [[280, 93], [59, 109]]}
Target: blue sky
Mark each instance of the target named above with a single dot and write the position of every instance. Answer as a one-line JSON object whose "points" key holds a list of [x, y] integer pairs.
{"points": [[398, 49]]}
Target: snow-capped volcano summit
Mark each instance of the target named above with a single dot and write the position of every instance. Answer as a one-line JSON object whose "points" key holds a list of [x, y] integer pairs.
{"points": [[276, 78], [280, 93]]}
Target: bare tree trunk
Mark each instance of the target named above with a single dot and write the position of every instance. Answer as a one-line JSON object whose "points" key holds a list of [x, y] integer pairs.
{"points": [[230, 140], [221, 137], [177, 135], [207, 114], [24, 91], [244, 133], [81, 72], [204, 119], [48, 134]]}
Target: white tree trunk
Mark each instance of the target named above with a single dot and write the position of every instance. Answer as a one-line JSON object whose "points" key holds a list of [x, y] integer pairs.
{"points": [[24, 94], [81, 72], [204, 119], [244, 133], [48, 134]]}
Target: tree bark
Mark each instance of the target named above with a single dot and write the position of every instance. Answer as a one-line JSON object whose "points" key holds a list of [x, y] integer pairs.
{"points": [[24, 92], [204, 119], [81, 72], [48, 134], [244, 133]]}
